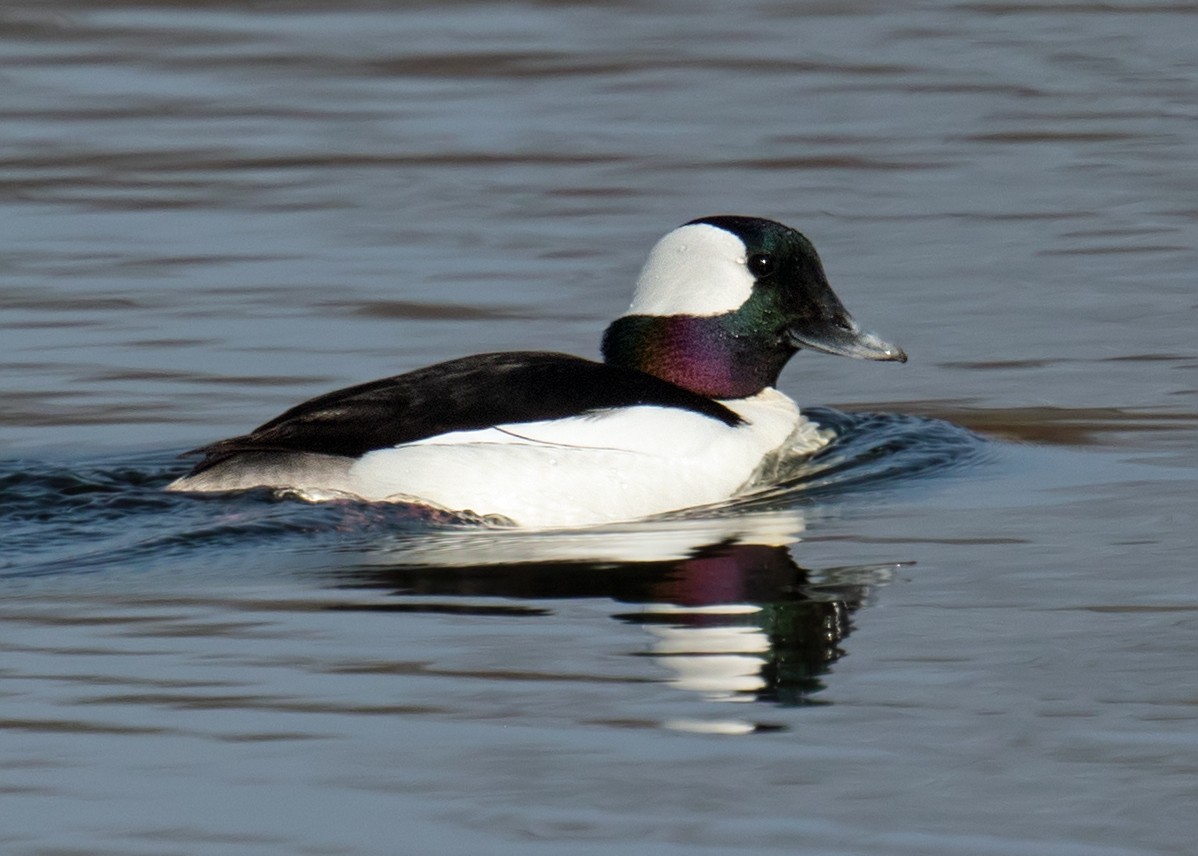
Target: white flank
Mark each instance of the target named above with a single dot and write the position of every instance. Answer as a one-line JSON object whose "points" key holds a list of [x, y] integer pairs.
{"points": [[694, 270], [619, 465]]}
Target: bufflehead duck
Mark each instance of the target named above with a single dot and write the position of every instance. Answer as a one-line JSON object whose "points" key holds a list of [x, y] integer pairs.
{"points": [[681, 412]]}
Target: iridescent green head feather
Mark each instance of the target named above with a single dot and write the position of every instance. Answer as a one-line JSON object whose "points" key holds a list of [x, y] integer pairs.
{"points": [[724, 302]]}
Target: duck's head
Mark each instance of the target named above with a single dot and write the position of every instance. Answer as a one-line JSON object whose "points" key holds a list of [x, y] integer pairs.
{"points": [[722, 304]]}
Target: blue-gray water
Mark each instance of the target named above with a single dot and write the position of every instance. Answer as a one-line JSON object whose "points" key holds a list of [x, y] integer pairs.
{"points": [[970, 628]]}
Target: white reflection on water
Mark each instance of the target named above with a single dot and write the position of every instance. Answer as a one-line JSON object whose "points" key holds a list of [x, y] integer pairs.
{"points": [[675, 538], [727, 613]]}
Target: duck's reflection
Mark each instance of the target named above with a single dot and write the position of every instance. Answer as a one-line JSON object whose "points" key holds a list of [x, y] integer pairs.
{"points": [[731, 620], [740, 622]]}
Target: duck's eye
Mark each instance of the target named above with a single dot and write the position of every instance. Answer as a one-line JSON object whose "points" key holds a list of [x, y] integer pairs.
{"points": [[760, 264]]}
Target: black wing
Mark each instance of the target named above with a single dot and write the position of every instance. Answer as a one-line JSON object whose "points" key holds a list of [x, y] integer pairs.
{"points": [[460, 395]]}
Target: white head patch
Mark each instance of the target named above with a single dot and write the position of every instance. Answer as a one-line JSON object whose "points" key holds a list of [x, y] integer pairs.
{"points": [[694, 270]]}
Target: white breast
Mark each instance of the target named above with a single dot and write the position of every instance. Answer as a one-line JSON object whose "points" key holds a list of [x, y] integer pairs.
{"points": [[618, 465]]}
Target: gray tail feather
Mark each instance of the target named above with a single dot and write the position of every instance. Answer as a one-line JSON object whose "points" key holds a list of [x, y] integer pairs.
{"points": [[241, 470]]}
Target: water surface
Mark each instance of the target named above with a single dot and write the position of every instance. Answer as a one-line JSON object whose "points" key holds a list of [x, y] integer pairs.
{"points": [[969, 628]]}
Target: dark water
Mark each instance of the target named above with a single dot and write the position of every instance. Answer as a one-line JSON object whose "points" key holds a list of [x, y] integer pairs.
{"points": [[969, 627]]}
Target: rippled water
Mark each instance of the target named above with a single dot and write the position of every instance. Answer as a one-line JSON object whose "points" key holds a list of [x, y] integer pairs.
{"points": [[969, 626]]}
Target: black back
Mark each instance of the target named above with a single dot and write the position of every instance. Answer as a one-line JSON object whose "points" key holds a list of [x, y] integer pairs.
{"points": [[460, 395]]}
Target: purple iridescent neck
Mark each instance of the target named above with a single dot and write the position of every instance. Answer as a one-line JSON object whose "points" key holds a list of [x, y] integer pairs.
{"points": [[707, 355]]}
